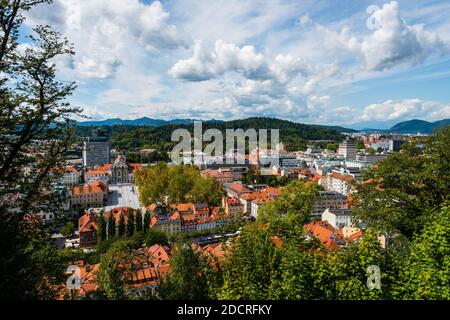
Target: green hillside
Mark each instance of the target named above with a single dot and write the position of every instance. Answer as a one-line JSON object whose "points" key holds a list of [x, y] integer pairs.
{"points": [[294, 135]]}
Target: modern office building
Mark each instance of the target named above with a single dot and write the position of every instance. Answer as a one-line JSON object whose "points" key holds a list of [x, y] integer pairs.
{"points": [[383, 145], [328, 199], [371, 158], [347, 149], [394, 145], [96, 149]]}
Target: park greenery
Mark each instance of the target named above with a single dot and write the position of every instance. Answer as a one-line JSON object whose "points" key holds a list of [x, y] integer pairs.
{"points": [[177, 184], [292, 209], [406, 189]]}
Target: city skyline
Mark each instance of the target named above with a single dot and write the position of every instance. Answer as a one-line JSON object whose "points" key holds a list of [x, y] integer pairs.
{"points": [[311, 62]]}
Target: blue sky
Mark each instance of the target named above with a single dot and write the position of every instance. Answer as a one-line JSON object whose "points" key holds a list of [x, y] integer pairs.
{"points": [[354, 63]]}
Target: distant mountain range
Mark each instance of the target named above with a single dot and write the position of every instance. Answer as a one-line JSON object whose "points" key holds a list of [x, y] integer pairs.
{"points": [[413, 126], [149, 122], [140, 122]]}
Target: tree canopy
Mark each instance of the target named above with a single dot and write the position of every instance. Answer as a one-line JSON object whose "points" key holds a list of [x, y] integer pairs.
{"points": [[399, 193], [33, 107], [179, 183], [292, 208]]}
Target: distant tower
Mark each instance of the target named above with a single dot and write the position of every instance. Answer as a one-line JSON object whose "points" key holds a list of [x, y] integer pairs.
{"points": [[96, 149], [347, 149], [258, 160]]}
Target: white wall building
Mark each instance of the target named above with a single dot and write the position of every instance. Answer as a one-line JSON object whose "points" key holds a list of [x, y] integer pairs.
{"points": [[339, 183], [71, 176], [338, 218]]}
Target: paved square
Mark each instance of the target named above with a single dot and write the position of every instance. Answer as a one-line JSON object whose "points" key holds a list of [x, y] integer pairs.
{"points": [[121, 196]]}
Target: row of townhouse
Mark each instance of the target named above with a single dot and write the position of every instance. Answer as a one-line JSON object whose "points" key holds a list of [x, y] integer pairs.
{"points": [[241, 200], [186, 217], [251, 200]]}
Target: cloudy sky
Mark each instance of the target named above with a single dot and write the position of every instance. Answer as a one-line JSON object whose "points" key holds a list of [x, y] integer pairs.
{"points": [[354, 63]]}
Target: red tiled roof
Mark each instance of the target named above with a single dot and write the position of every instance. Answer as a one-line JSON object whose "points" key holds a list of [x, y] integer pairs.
{"points": [[96, 172], [238, 187], [217, 174], [355, 236], [323, 231], [233, 202], [175, 216], [263, 196], [183, 207], [88, 274], [315, 178], [104, 167], [70, 169], [88, 222], [158, 254], [94, 187], [341, 177], [154, 221], [163, 269], [272, 191], [135, 167], [214, 251]]}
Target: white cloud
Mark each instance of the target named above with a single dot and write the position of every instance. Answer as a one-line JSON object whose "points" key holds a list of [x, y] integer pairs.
{"points": [[234, 21], [134, 88], [272, 82], [389, 111], [228, 57], [405, 109], [388, 42], [394, 41], [318, 100], [105, 34], [304, 20], [264, 81], [285, 68], [225, 57]]}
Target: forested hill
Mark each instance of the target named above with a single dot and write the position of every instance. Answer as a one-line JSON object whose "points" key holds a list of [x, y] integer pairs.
{"points": [[415, 125], [294, 135]]}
